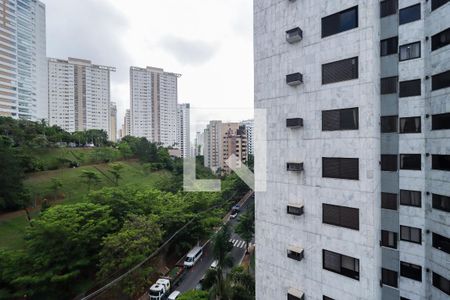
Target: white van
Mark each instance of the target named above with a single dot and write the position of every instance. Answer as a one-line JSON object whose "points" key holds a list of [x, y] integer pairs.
{"points": [[193, 256], [174, 295]]}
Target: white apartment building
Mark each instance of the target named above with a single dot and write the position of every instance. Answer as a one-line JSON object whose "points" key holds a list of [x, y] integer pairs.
{"points": [[249, 126], [183, 129], [126, 126], [358, 149], [199, 144], [113, 122], [154, 99], [79, 95], [23, 61]]}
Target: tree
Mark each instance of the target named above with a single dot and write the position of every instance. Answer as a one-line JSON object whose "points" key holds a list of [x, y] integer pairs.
{"points": [[138, 238], [246, 227], [194, 295], [242, 284], [115, 170], [55, 186], [125, 149], [221, 250], [90, 178]]}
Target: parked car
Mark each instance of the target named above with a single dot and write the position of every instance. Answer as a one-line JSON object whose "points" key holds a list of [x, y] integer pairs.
{"points": [[234, 214], [214, 264], [174, 295], [237, 207]]}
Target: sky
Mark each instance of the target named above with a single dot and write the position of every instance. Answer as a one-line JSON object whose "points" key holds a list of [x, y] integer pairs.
{"points": [[209, 42]]}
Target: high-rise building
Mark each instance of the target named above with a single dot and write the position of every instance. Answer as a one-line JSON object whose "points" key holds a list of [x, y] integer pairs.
{"points": [[183, 128], [154, 99], [358, 149], [23, 62], [126, 126], [199, 143], [212, 138], [79, 95], [249, 125], [113, 122]]}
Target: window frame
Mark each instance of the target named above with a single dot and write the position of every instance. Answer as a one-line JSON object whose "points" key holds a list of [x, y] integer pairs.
{"points": [[409, 57], [404, 9], [385, 238], [342, 270], [443, 84], [441, 202], [409, 238], [389, 162], [387, 198], [443, 117], [408, 270], [338, 14], [411, 155], [340, 160], [402, 94], [391, 49], [385, 80], [340, 212], [340, 115], [436, 162], [404, 130], [438, 4], [386, 122], [436, 43], [389, 12], [438, 282], [441, 242], [354, 71], [386, 277], [404, 199]]}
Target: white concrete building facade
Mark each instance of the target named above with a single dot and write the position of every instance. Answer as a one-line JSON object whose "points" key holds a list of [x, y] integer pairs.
{"points": [[183, 129], [249, 125], [358, 145]]}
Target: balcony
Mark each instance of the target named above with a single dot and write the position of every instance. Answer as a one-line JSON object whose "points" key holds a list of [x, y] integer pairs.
{"points": [[296, 210], [294, 167], [294, 35], [294, 79], [295, 253], [294, 123]]}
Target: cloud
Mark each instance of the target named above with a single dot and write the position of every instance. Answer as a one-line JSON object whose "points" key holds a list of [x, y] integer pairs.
{"points": [[189, 52]]}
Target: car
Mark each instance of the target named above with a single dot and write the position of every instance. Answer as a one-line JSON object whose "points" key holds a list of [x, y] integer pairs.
{"points": [[174, 295], [236, 207], [214, 264], [234, 214]]}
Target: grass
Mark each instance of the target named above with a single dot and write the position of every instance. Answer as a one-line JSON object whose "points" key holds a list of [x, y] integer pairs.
{"points": [[73, 190]]}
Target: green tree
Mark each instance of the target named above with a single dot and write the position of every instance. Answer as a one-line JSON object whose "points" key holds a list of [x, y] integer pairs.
{"points": [[125, 149], [246, 227], [55, 186], [115, 170], [221, 250], [90, 178], [194, 295], [242, 284], [138, 238]]}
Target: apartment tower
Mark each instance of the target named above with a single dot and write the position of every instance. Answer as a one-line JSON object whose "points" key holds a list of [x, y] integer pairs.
{"points": [[249, 128], [113, 122], [79, 95], [154, 99], [357, 95], [126, 126], [183, 129]]}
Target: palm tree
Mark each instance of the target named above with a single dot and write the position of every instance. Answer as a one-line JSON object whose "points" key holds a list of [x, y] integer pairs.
{"points": [[246, 227], [90, 177], [221, 250]]}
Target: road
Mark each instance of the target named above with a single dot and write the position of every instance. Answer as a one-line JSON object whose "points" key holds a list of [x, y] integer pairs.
{"points": [[192, 277]]}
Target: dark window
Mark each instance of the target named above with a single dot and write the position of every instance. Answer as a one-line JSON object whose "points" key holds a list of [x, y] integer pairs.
{"points": [[440, 81], [341, 264], [411, 271], [440, 39], [389, 85], [410, 162], [409, 14], [441, 242], [441, 283], [435, 4], [411, 198], [410, 125], [440, 121], [389, 201], [342, 70], [388, 7], [410, 88], [389, 162], [441, 162], [340, 22], [410, 51], [340, 216], [295, 210], [411, 234], [343, 168], [389, 124], [340, 119], [389, 277], [389, 46], [389, 239], [441, 202]]}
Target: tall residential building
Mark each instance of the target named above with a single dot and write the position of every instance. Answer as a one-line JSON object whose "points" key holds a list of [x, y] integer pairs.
{"points": [[126, 126], [249, 125], [79, 95], [358, 149], [199, 143], [23, 62], [113, 122], [183, 129], [154, 99], [212, 139]]}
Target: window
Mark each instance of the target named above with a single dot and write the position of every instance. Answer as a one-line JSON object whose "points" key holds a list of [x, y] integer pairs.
{"points": [[389, 201], [441, 202], [410, 125], [440, 39], [441, 242], [410, 88], [440, 121], [343, 168], [340, 216], [411, 198], [389, 124], [340, 22], [342, 70], [341, 264], [410, 51], [411, 271], [435, 4], [389, 277], [340, 119], [410, 162], [389, 46], [388, 7], [389, 239], [411, 234], [441, 162], [441, 283], [389, 162], [440, 81], [409, 14], [389, 85]]}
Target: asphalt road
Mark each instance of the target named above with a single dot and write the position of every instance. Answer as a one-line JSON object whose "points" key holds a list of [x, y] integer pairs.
{"points": [[191, 279]]}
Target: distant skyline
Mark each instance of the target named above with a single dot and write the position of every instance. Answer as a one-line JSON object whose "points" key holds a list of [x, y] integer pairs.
{"points": [[209, 42]]}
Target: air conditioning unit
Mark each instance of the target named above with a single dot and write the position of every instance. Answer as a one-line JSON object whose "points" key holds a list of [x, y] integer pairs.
{"points": [[294, 167], [294, 79], [294, 35], [294, 123], [295, 253], [294, 294], [296, 210]]}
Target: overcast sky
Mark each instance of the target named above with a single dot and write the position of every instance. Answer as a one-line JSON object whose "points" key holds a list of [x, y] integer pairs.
{"points": [[209, 42]]}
